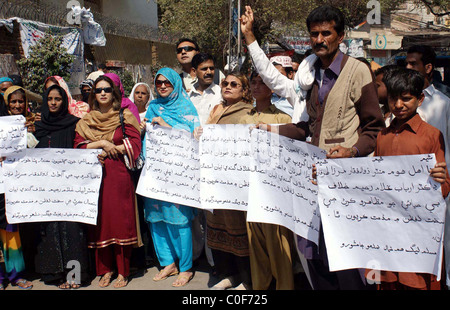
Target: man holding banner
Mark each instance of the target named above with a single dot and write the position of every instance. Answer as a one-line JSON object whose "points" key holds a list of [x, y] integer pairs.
{"points": [[344, 119]]}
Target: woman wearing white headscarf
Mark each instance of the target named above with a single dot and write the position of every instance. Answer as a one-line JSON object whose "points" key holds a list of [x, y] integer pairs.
{"points": [[141, 95]]}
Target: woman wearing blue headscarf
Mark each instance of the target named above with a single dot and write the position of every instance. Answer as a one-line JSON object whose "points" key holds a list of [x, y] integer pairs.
{"points": [[170, 223]]}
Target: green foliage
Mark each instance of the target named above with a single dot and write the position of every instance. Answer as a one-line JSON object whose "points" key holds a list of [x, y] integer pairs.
{"points": [[47, 58], [207, 21]]}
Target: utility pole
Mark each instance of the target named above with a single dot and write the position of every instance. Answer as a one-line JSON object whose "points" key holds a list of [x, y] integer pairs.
{"points": [[234, 37]]}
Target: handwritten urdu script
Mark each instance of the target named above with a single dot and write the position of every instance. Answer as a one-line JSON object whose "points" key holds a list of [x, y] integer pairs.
{"points": [[383, 209], [52, 185]]}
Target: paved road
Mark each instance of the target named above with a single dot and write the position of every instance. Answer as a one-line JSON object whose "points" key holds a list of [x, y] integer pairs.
{"points": [[143, 280]]}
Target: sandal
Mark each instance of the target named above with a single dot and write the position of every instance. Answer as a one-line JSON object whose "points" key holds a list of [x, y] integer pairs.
{"points": [[23, 284], [75, 286], [185, 279], [121, 282], [64, 286], [173, 273], [105, 280]]}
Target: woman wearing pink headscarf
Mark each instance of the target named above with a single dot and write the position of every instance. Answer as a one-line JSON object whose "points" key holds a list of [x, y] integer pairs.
{"points": [[77, 108], [126, 103]]}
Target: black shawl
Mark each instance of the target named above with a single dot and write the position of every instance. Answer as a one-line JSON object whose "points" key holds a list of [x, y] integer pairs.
{"points": [[56, 130]]}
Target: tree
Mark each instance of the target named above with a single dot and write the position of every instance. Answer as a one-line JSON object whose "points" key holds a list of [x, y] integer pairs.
{"points": [[207, 21], [437, 7], [47, 58]]}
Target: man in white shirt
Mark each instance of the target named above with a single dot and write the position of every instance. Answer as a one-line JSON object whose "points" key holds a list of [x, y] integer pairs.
{"points": [[100, 71], [280, 84], [205, 94], [284, 65], [435, 110]]}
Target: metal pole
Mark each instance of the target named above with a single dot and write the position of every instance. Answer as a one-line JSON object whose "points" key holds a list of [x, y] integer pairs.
{"points": [[230, 29], [239, 35]]}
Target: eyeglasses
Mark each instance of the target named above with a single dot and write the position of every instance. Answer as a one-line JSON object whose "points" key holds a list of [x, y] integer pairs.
{"points": [[233, 84], [106, 89], [186, 48], [159, 83]]}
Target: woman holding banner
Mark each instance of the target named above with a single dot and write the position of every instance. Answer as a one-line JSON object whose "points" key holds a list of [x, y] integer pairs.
{"points": [[59, 242], [170, 223], [10, 241], [116, 230], [17, 104], [226, 230]]}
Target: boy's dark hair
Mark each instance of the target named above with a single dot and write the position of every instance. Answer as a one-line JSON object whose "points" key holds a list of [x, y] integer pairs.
{"points": [[187, 40], [385, 70], [428, 55], [402, 80], [200, 58], [327, 13]]}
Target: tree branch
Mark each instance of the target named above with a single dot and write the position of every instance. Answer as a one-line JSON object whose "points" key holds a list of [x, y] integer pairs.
{"points": [[429, 5]]}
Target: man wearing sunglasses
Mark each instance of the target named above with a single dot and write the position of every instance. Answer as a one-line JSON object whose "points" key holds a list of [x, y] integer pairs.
{"points": [[186, 49]]}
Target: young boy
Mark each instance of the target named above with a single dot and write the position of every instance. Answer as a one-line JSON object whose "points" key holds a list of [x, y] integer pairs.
{"points": [[408, 134], [381, 75]]}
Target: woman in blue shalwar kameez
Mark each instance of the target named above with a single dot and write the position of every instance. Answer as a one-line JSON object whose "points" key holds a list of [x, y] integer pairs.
{"points": [[170, 223]]}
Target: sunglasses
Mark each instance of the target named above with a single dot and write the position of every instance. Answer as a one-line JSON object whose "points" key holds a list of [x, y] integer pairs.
{"points": [[159, 83], [233, 84], [106, 89], [185, 48]]}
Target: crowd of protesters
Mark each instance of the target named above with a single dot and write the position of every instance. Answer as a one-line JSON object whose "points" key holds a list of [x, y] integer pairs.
{"points": [[329, 99]]}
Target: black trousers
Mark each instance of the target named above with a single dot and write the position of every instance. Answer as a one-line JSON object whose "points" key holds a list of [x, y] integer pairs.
{"points": [[323, 279]]}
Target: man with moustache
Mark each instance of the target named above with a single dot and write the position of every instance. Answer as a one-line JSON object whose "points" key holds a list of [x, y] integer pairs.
{"points": [[205, 94], [344, 119]]}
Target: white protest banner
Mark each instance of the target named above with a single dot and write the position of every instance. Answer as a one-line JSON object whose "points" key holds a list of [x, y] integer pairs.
{"points": [[382, 211], [50, 184], [2, 179], [172, 169], [225, 160], [281, 191], [13, 134]]}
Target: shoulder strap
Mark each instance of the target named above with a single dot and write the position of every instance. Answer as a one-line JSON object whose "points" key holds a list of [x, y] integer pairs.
{"points": [[122, 123]]}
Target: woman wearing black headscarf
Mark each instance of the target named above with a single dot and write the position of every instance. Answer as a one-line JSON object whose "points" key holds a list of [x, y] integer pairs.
{"points": [[59, 242]]}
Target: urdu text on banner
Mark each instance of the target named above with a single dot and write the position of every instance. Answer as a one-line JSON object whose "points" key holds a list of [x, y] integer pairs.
{"points": [[382, 213], [281, 188], [50, 184]]}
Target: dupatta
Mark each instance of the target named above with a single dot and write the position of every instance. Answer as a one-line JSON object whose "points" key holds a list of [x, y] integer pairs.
{"points": [[177, 109]]}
